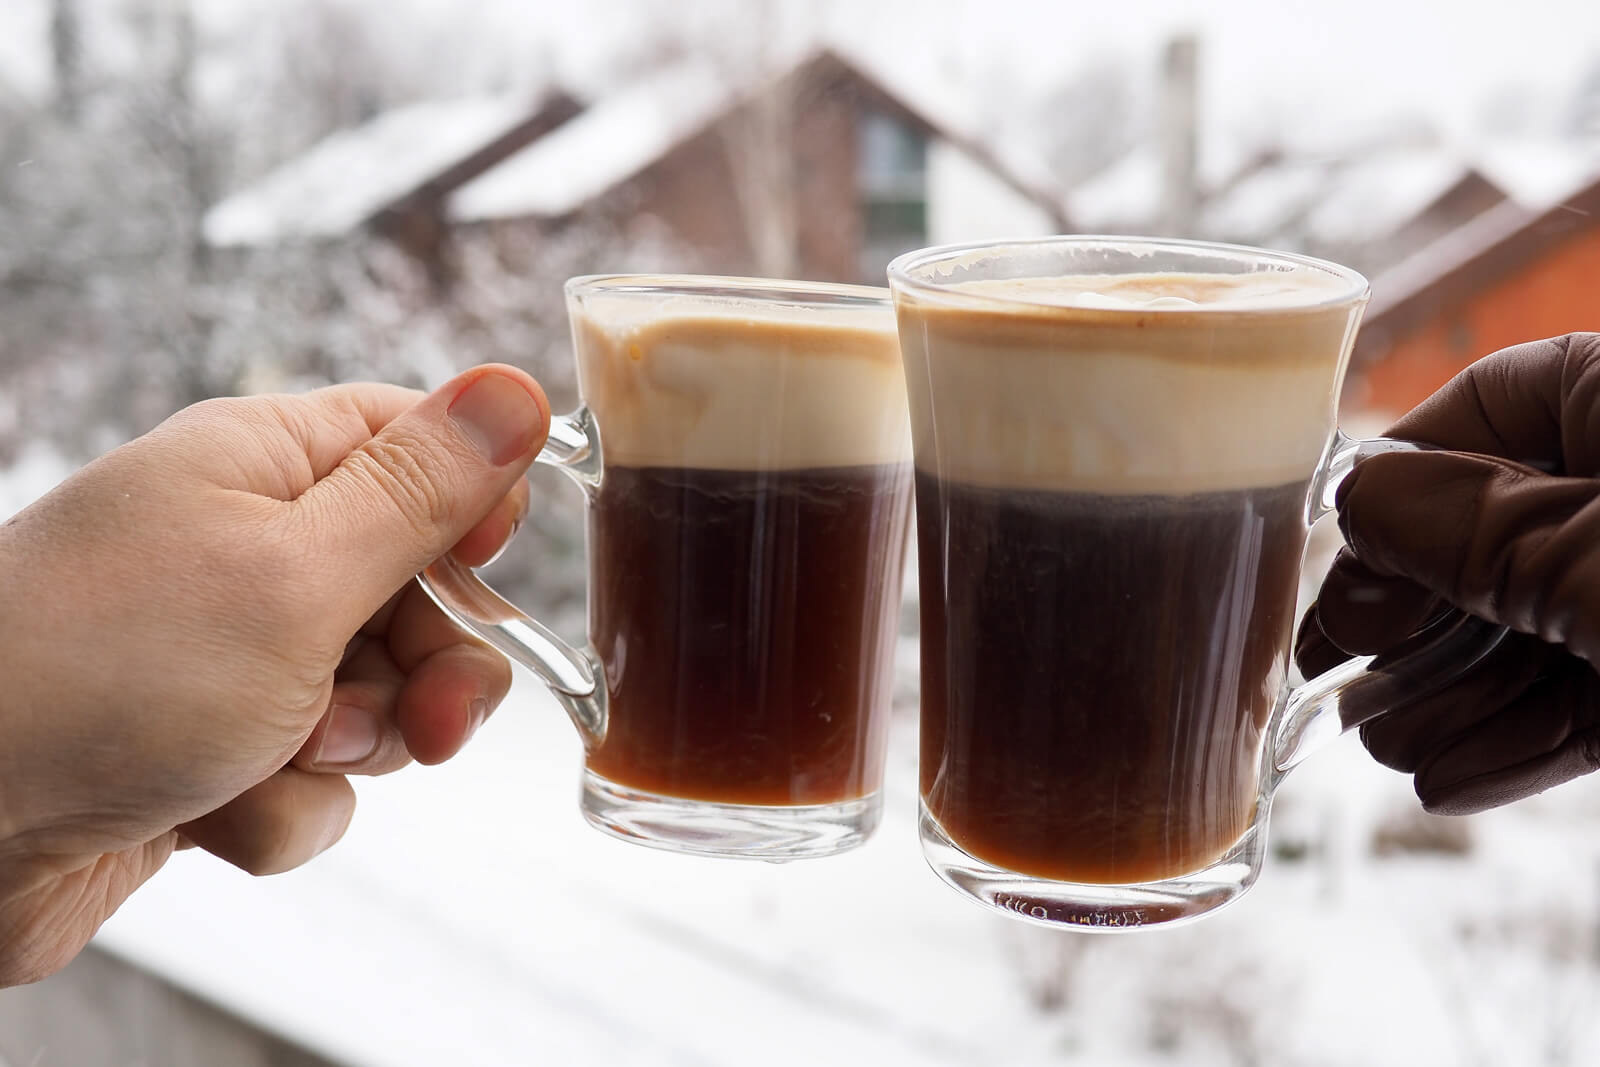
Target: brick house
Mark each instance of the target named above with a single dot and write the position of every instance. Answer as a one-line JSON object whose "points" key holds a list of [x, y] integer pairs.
{"points": [[1512, 274]]}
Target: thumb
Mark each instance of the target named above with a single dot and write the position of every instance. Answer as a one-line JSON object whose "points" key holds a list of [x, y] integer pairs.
{"points": [[402, 498], [1496, 539]]}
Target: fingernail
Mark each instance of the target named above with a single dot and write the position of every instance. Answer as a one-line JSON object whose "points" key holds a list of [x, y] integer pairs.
{"points": [[351, 736], [492, 560], [498, 416], [477, 712]]}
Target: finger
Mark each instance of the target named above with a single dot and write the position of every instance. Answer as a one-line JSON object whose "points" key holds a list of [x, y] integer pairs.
{"points": [[279, 824], [418, 628], [1512, 404], [1548, 736], [484, 542], [1496, 539], [405, 496], [1314, 654], [454, 681], [479, 548], [448, 697], [1406, 737], [1362, 612], [359, 734]]}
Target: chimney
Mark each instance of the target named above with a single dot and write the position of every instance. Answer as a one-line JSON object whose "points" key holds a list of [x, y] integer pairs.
{"points": [[66, 57], [1179, 131]]}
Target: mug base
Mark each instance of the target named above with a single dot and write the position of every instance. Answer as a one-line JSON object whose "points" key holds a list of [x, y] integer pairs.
{"points": [[735, 831], [1086, 906]]}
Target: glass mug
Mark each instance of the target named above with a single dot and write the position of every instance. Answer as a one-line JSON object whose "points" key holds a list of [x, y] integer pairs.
{"points": [[1120, 445], [744, 447]]}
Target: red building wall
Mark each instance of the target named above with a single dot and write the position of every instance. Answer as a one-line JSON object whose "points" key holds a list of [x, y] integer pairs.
{"points": [[1557, 292]]}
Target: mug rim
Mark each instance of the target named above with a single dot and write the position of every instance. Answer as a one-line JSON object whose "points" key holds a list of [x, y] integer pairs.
{"points": [[733, 287], [901, 278]]}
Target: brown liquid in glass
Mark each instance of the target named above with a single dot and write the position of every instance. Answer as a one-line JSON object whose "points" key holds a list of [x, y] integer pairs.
{"points": [[747, 622], [1097, 671]]}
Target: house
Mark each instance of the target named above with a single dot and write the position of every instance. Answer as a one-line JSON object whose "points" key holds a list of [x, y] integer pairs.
{"points": [[820, 170], [388, 174], [1512, 274], [1366, 206]]}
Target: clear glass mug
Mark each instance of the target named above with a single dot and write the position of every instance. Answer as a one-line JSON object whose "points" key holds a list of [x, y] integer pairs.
{"points": [[744, 447], [1120, 445]]}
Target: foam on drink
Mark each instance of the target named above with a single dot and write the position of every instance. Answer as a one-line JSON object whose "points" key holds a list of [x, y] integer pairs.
{"points": [[707, 382], [1133, 384]]}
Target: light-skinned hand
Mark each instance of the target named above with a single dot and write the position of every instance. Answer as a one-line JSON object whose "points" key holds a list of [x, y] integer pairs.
{"points": [[203, 632]]}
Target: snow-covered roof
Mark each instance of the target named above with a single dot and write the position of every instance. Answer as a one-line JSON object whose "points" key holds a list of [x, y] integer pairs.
{"points": [[1476, 239], [609, 143], [625, 132], [352, 174], [1536, 171], [1371, 197], [958, 116]]}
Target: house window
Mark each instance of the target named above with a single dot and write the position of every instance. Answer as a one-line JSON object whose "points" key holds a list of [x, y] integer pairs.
{"points": [[892, 176]]}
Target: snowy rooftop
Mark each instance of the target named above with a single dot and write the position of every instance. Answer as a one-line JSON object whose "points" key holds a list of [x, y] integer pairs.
{"points": [[627, 131], [1374, 195], [1475, 238], [1536, 172], [609, 143], [352, 174], [959, 116]]}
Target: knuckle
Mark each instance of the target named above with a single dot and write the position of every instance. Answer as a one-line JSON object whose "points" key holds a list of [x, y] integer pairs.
{"points": [[411, 476], [217, 409]]}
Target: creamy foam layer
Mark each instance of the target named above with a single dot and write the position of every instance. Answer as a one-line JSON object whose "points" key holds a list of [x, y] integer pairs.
{"points": [[705, 383], [1260, 291], [1106, 385]]}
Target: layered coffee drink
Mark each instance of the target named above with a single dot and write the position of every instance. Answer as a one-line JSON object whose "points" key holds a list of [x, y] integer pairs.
{"points": [[746, 544], [1112, 504]]}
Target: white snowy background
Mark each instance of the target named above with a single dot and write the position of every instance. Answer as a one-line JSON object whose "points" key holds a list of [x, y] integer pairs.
{"points": [[469, 916]]}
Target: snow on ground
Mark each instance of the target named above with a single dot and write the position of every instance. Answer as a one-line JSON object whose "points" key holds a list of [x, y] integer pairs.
{"points": [[471, 917]]}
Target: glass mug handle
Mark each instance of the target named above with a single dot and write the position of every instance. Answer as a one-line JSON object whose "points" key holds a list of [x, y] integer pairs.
{"points": [[573, 675], [1350, 695]]}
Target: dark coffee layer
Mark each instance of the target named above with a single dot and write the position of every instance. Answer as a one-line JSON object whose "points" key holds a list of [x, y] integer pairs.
{"points": [[746, 621], [1097, 671]]}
